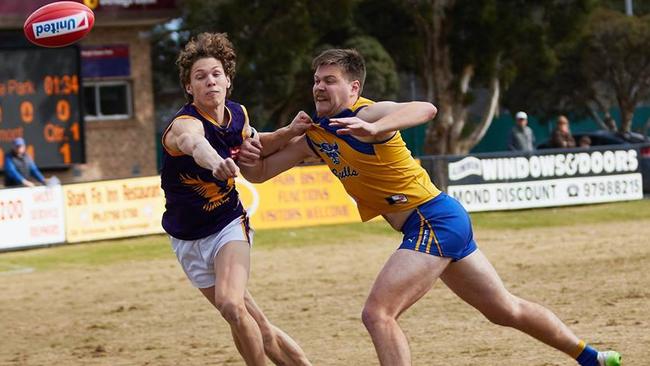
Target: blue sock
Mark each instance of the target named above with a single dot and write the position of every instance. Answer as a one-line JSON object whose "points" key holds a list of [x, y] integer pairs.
{"points": [[588, 357]]}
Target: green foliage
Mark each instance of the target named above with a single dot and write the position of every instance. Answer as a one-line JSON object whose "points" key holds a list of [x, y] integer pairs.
{"points": [[157, 247], [381, 80], [537, 48], [274, 41], [615, 57], [557, 29], [639, 7], [521, 34], [165, 45], [458, 48], [563, 216], [390, 23], [600, 67], [90, 254]]}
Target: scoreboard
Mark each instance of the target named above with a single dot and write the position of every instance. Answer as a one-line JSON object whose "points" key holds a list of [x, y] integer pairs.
{"points": [[40, 100]]}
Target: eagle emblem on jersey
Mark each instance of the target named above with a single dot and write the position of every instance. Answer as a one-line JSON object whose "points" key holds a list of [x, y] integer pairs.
{"points": [[216, 194], [331, 150]]}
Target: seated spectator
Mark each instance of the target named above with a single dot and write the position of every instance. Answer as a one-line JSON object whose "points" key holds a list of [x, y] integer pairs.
{"points": [[521, 136], [561, 137], [19, 167], [584, 142]]}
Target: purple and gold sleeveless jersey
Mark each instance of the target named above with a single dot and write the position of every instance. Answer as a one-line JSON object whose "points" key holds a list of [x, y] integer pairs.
{"points": [[198, 204], [382, 177]]}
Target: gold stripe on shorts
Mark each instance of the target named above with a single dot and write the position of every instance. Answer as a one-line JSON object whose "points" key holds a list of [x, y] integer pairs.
{"points": [[432, 237], [243, 227]]}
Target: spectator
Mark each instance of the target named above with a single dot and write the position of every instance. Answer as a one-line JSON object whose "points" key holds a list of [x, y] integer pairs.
{"points": [[19, 166], [561, 137], [584, 142], [521, 136]]}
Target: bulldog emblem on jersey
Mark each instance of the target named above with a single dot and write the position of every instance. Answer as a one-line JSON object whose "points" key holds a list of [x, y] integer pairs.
{"points": [[331, 150]]}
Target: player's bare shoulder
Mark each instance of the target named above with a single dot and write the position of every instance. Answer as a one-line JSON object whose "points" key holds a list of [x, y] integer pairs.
{"points": [[179, 127]]}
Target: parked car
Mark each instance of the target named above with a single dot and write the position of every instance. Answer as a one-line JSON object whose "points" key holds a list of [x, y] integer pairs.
{"points": [[606, 137]]}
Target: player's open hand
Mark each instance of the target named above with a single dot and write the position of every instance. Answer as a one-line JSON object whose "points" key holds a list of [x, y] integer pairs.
{"points": [[354, 126], [226, 169], [250, 152], [301, 123]]}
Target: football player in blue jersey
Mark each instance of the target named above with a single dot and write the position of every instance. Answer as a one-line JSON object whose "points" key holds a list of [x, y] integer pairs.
{"points": [[361, 144]]}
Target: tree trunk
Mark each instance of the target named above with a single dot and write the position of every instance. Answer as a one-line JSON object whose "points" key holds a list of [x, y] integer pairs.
{"points": [[439, 77], [486, 120], [599, 121], [444, 134], [459, 112], [626, 120], [627, 113]]}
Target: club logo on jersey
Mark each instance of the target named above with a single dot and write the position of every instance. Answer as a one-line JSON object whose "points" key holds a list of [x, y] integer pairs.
{"points": [[58, 26], [331, 150], [345, 172], [397, 199], [216, 193]]}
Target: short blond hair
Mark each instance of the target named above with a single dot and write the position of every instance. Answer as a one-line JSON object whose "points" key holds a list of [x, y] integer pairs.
{"points": [[349, 60]]}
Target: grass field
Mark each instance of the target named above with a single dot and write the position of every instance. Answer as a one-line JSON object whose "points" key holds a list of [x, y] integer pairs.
{"points": [[126, 302]]}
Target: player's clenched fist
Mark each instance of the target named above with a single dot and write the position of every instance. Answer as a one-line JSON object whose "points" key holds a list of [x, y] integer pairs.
{"points": [[225, 169], [301, 123], [250, 152]]}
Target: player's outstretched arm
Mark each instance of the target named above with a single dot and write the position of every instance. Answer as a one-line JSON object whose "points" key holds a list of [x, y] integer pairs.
{"points": [[274, 141], [382, 119], [262, 169], [188, 137]]}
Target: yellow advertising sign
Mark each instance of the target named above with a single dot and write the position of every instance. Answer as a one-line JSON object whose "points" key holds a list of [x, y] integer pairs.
{"points": [[113, 209], [302, 196]]}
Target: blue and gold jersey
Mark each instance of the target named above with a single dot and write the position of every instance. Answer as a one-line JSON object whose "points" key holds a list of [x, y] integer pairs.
{"points": [[382, 177], [197, 203]]}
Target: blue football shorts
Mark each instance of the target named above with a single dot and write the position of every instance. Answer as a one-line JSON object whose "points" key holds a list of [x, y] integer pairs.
{"points": [[439, 227]]}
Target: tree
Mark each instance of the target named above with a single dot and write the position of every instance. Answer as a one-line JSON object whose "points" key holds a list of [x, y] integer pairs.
{"points": [[639, 7], [466, 46], [382, 81], [275, 43], [616, 60], [604, 67], [166, 42]]}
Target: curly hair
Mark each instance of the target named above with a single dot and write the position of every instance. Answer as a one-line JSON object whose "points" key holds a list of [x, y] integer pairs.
{"points": [[349, 60], [215, 45]]}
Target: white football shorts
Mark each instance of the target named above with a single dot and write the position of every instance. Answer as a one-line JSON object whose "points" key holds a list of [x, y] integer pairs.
{"points": [[197, 256]]}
